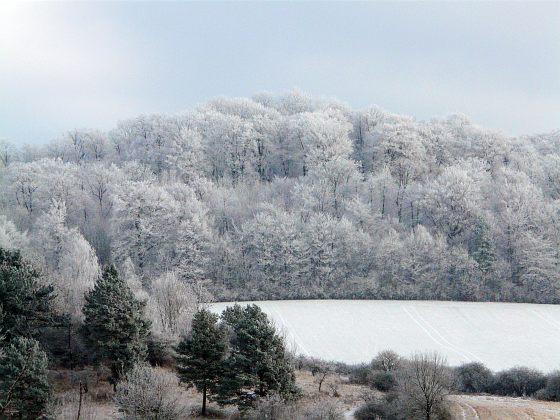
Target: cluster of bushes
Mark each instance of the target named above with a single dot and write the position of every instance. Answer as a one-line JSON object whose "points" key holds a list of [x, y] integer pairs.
{"points": [[237, 358], [396, 378], [514, 382]]}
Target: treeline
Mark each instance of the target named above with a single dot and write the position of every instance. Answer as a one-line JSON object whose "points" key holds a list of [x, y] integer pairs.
{"points": [[233, 359], [290, 197]]}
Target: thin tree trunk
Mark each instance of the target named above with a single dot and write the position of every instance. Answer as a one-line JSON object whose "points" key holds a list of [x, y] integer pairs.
{"points": [[204, 400], [80, 403]]}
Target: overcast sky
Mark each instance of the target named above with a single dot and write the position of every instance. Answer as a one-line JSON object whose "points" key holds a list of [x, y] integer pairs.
{"points": [[88, 65]]}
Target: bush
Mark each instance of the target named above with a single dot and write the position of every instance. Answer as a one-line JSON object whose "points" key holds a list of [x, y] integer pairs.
{"points": [[474, 377], [383, 381], [518, 381], [374, 409], [551, 392], [272, 407], [387, 361], [325, 410], [360, 374], [384, 408], [160, 351], [150, 393]]}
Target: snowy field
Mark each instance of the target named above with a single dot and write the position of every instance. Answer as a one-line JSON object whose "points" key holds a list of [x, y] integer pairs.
{"points": [[500, 335]]}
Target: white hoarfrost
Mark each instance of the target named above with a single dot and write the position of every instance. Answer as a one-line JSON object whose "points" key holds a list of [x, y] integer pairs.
{"points": [[501, 335]]}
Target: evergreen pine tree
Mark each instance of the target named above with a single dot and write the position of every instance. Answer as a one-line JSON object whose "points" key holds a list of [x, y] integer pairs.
{"points": [[24, 389], [114, 325], [484, 253], [201, 354], [25, 305], [258, 363], [483, 250]]}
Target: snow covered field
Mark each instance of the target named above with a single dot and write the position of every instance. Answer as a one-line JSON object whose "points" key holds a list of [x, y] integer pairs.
{"points": [[501, 335]]}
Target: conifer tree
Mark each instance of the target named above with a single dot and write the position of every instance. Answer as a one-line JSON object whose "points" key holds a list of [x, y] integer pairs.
{"points": [[114, 324], [483, 248], [201, 354], [258, 363], [484, 253], [24, 389], [25, 304]]}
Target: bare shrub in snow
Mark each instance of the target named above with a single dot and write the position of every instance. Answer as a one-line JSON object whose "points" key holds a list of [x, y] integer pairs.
{"points": [[150, 393]]}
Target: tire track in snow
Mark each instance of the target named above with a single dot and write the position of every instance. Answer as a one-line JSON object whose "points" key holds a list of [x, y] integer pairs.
{"points": [[432, 337], [546, 318], [290, 330], [445, 340]]}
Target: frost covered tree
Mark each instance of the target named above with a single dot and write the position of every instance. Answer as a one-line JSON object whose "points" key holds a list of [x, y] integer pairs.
{"points": [[161, 229], [452, 200], [150, 393], [68, 257], [172, 304], [358, 197], [424, 383]]}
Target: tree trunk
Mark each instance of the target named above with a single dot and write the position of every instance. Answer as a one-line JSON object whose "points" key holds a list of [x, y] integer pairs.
{"points": [[204, 400], [80, 402]]}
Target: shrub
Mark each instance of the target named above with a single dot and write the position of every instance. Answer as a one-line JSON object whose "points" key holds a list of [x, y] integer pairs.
{"points": [[387, 361], [385, 408], [360, 374], [150, 393], [518, 381], [474, 377], [272, 407], [160, 351], [374, 409], [383, 381], [325, 410], [551, 392]]}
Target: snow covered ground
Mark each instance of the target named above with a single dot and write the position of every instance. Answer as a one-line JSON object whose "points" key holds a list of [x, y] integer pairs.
{"points": [[501, 335]]}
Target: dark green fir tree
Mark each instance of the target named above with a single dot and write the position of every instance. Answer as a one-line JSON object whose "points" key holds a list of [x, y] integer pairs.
{"points": [[114, 325], [483, 250], [200, 355], [258, 363], [24, 389], [25, 304]]}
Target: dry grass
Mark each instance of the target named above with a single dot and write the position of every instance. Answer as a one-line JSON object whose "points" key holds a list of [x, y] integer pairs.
{"points": [[486, 407], [349, 395], [97, 403]]}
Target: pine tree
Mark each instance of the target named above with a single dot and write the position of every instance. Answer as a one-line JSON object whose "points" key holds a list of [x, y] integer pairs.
{"points": [[484, 253], [24, 389], [483, 248], [201, 354], [258, 363], [114, 324], [26, 305]]}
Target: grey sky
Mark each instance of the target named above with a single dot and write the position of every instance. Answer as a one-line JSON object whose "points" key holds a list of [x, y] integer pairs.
{"points": [[88, 65]]}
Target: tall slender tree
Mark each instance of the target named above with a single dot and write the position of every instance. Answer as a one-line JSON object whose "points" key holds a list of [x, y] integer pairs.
{"points": [[201, 354]]}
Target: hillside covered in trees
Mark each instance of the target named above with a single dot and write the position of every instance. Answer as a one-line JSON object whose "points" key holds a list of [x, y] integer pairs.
{"points": [[288, 197]]}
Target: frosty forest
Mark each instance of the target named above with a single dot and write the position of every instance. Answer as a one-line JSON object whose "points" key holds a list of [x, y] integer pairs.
{"points": [[286, 197]]}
